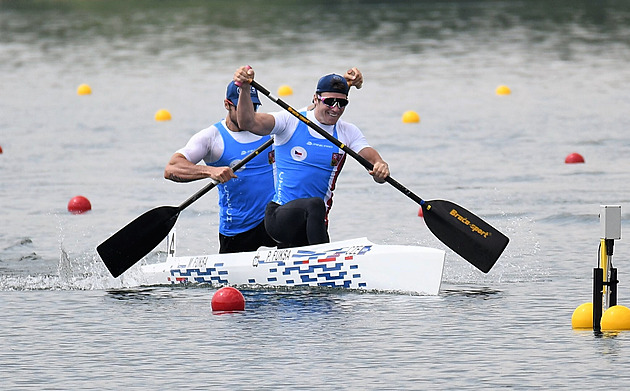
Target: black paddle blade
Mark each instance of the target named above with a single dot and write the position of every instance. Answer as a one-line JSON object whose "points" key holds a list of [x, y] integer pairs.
{"points": [[468, 235], [127, 246]]}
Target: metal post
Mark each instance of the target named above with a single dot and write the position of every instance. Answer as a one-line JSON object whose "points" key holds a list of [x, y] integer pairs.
{"points": [[610, 243], [612, 286], [598, 286]]}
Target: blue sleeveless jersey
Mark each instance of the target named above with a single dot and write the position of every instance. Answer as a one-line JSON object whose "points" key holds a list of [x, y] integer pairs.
{"points": [[242, 200], [307, 166]]}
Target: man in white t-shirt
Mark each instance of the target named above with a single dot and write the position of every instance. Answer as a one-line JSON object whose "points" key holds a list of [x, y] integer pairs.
{"points": [[242, 196], [306, 164]]}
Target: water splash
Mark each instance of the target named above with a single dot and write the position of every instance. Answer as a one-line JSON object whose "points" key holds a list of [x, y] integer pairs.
{"points": [[519, 262], [82, 272]]}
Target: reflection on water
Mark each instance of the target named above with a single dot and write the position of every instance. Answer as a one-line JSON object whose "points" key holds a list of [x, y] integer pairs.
{"points": [[292, 302], [483, 293], [184, 28], [140, 294]]}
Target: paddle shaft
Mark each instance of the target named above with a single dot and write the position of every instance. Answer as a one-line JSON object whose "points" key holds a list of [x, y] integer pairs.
{"points": [[363, 161]]}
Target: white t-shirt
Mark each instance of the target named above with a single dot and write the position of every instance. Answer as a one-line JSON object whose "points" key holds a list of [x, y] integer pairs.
{"points": [[207, 144]]}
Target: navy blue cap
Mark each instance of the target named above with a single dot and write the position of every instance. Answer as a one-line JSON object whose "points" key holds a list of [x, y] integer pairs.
{"points": [[333, 83], [233, 91]]}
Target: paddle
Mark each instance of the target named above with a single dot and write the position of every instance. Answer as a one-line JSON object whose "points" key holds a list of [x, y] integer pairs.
{"points": [[468, 235], [127, 246]]}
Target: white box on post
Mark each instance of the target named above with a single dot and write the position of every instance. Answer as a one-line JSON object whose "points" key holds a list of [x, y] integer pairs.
{"points": [[610, 221]]}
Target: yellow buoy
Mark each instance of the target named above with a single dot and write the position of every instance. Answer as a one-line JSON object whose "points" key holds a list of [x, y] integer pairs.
{"points": [[583, 317], [84, 89], [285, 90], [410, 117], [503, 90], [162, 115], [616, 318]]}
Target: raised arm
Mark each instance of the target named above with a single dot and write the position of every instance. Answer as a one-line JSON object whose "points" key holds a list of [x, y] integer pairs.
{"points": [[354, 77], [258, 123]]}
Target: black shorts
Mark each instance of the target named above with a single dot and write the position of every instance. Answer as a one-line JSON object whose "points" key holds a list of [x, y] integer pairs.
{"points": [[246, 241], [297, 223]]}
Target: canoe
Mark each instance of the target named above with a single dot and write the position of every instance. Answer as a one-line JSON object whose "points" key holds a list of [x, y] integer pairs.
{"points": [[351, 264]]}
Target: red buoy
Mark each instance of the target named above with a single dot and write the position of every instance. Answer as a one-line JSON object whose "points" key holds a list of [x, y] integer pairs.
{"points": [[574, 158], [420, 212], [0, 148], [78, 205], [228, 299]]}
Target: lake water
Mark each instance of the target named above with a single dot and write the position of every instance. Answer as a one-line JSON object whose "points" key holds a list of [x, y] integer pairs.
{"points": [[66, 324]]}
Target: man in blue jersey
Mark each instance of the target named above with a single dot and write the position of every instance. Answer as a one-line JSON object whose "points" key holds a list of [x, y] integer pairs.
{"points": [[306, 164], [242, 196]]}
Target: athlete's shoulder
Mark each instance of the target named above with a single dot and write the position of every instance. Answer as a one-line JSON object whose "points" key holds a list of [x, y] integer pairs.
{"points": [[284, 121], [281, 114], [345, 126], [212, 131]]}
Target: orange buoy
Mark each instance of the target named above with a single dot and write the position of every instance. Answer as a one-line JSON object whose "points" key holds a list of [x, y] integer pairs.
{"points": [[84, 89], [163, 115], [503, 90], [78, 205], [582, 317], [616, 318], [285, 90], [410, 117], [228, 299]]}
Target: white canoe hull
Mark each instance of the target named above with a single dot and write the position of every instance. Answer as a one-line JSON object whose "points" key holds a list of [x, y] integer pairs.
{"points": [[354, 264]]}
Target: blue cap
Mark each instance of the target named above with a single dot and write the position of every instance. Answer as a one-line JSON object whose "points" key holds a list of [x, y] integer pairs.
{"points": [[233, 91], [333, 83]]}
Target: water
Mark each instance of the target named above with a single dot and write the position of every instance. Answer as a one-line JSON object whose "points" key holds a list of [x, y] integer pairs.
{"points": [[67, 324]]}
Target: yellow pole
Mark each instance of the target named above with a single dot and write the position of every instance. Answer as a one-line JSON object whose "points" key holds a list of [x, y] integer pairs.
{"points": [[603, 264]]}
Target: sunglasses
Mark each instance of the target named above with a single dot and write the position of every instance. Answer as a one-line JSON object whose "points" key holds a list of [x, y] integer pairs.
{"points": [[331, 102]]}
